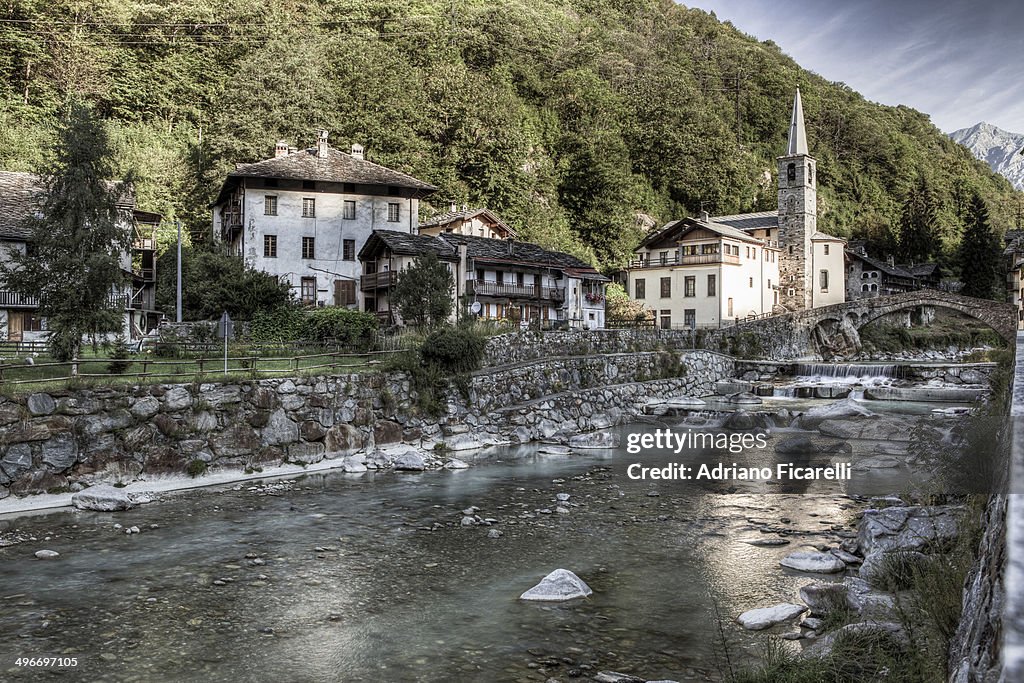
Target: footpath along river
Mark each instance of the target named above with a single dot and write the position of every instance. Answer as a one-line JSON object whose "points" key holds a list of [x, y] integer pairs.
{"points": [[374, 577]]}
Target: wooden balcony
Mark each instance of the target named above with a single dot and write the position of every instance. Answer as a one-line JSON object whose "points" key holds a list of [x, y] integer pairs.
{"points": [[685, 260], [510, 291], [10, 299], [383, 280]]}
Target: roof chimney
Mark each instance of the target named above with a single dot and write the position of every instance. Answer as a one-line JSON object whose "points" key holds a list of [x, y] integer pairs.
{"points": [[357, 151], [705, 217], [281, 149], [321, 143], [454, 207]]}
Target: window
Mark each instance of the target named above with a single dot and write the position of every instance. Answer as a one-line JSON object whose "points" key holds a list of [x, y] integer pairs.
{"points": [[308, 207], [394, 212], [690, 318], [308, 247], [729, 307], [823, 280], [791, 172], [769, 284], [664, 257], [269, 205], [640, 285], [689, 286], [344, 292], [748, 252], [666, 287], [308, 290], [348, 210], [712, 284], [348, 250], [479, 274], [270, 246], [826, 250], [666, 320]]}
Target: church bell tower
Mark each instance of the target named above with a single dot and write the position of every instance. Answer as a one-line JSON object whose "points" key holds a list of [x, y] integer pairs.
{"points": [[798, 202]]}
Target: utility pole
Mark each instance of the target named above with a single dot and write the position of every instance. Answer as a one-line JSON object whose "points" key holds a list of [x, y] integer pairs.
{"points": [[178, 316]]}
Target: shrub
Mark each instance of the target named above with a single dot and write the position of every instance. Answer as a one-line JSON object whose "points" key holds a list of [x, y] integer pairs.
{"points": [[454, 350], [281, 324], [196, 468], [344, 325], [119, 356]]}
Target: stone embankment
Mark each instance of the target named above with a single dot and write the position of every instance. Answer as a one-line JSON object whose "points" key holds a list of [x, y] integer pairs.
{"points": [[73, 438]]}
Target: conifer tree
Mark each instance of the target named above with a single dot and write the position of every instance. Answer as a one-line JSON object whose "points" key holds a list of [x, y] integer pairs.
{"points": [[979, 257], [917, 223], [77, 238]]}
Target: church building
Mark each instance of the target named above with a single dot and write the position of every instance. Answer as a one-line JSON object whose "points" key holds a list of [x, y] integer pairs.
{"points": [[711, 271]]}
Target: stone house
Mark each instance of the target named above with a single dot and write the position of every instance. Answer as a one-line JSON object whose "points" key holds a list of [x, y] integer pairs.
{"points": [[494, 279], [709, 271], [1013, 254], [304, 215], [867, 277], [466, 221], [20, 194]]}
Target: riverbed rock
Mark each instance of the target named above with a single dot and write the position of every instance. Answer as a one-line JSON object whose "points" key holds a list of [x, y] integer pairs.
{"points": [[551, 449], [876, 564], [878, 462], [822, 647], [558, 586], [456, 464], [353, 463], [47, 554], [463, 442], [684, 402], [947, 394], [741, 420], [616, 677], [846, 408], [103, 498], [744, 398], [815, 562], [764, 617], [409, 461], [800, 443], [594, 440], [921, 528]]}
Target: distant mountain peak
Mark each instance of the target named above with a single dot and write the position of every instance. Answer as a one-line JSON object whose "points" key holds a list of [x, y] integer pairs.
{"points": [[1002, 150]]}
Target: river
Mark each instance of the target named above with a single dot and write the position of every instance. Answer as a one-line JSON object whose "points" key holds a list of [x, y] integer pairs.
{"points": [[372, 577]]}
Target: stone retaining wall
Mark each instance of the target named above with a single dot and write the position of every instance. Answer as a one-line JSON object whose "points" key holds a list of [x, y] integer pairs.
{"points": [[66, 439], [522, 346]]}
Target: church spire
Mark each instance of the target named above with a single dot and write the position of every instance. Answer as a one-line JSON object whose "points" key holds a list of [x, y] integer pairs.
{"points": [[797, 134]]}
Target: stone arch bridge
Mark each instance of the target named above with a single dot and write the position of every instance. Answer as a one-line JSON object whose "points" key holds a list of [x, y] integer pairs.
{"points": [[834, 330]]}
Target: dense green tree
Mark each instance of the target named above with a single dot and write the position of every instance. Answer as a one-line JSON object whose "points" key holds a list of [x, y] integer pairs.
{"points": [[980, 256], [422, 294], [917, 223], [214, 281], [77, 239]]}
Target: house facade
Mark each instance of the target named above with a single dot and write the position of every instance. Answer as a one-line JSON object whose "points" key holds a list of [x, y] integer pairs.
{"points": [[494, 279], [1013, 253], [304, 215], [713, 270], [466, 221], [20, 320]]}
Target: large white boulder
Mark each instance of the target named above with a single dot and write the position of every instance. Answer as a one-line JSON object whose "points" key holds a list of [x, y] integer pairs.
{"points": [[557, 586], [762, 618], [811, 561], [103, 498]]}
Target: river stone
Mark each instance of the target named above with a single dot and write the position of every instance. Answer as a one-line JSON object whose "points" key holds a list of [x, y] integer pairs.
{"points": [[878, 462], [18, 459], [47, 554], [762, 618], [353, 463], [41, 404], [410, 461], [594, 440], [557, 586], [456, 464], [908, 528], [280, 429], [551, 449], [616, 677], [810, 561], [177, 398], [822, 647], [102, 498], [797, 444], [145, 407], [684, 402], [463, 442], [60, 452], [823, 598], [744, 398], [847, 408]]}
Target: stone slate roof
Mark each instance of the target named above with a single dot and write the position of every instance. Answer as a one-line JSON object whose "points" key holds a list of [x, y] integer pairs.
{"points": [[335, 167], [406, 244], [20, 195], [465, 215], [750, 221], [514, 251]]}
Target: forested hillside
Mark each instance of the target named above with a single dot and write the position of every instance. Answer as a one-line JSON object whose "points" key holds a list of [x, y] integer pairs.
{"points": [[568, 118]]}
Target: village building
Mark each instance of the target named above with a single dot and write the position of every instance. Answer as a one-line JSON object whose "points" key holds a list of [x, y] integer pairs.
{"points": [[466, 221], [507, 280], [867, 277], [1013, 253], [20, 321], [304, 215], [713, 270]]}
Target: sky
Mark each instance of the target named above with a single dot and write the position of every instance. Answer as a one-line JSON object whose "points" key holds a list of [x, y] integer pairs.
{"points": [[960, 61]]}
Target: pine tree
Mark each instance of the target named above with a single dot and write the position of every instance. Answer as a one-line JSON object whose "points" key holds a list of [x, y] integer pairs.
{"points": [[979, 253], [917, 223], [423, 292], [77, 238]]}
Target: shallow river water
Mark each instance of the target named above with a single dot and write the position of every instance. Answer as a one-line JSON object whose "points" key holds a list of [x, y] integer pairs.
{"points": [[335, 577]]}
